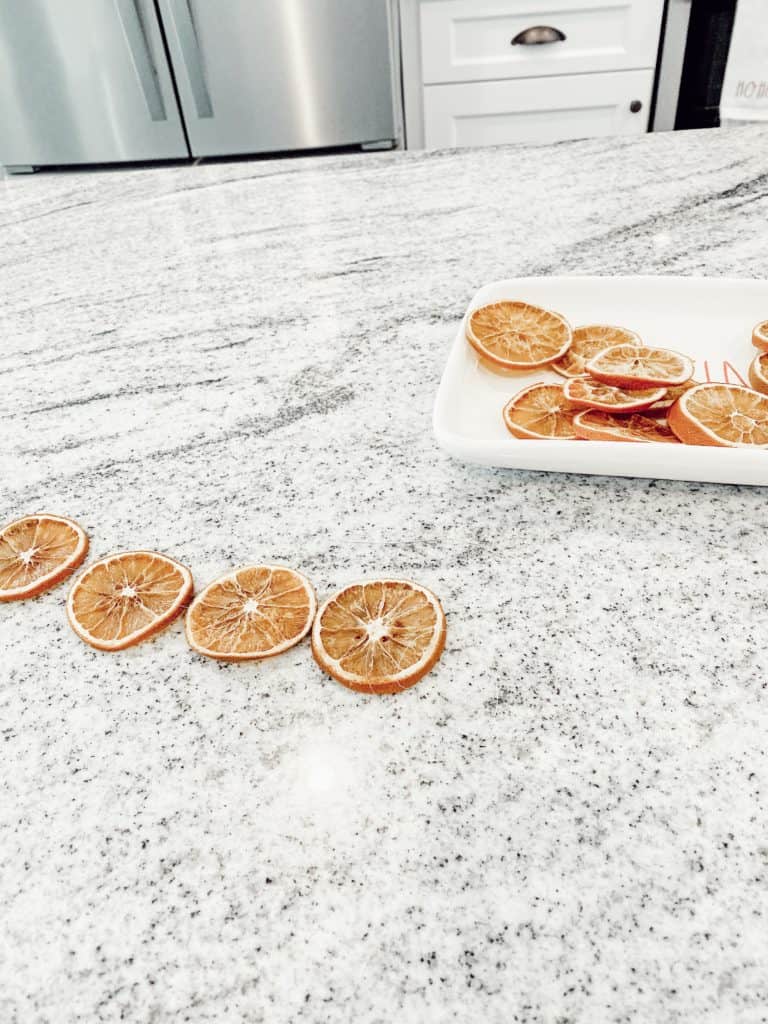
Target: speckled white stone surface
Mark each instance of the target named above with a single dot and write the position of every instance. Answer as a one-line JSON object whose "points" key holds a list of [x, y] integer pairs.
{"points": [[568, 820]]}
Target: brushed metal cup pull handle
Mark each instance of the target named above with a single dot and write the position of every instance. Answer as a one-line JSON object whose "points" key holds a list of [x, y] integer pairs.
{"points": [[537, 35]]}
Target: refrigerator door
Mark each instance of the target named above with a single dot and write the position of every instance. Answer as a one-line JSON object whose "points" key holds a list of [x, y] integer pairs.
{"points": [[270, 75], [85, 81]]}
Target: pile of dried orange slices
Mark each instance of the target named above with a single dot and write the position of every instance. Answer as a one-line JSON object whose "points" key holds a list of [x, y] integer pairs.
{"points": [[616, 388], [381, 636]]}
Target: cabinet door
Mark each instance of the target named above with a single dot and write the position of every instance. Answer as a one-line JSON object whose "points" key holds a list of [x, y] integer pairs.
{"points": [[269, 75], [537, 109], [85, 81], [470, 40]]}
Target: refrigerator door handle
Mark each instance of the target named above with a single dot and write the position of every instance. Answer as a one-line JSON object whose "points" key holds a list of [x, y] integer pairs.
{"points": [[138, 48], [186, 37]]}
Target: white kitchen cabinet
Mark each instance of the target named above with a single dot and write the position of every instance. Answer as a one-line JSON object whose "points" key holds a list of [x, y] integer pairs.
{"points": [[473, 40], [466, 82], [537, 109]]}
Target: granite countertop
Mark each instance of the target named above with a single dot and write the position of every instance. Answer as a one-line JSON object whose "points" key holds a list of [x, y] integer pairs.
{"points": [[565, 821]]}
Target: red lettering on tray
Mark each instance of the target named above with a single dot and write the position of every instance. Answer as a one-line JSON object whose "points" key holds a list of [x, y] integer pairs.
{"points": [[730, 375], [730, 367]]}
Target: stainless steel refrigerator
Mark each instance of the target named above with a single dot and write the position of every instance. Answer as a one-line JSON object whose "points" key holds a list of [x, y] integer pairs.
{"points": [[104, 81]]}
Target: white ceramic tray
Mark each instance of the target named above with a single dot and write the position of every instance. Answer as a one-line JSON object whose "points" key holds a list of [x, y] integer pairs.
{"points": [[710, 319]]}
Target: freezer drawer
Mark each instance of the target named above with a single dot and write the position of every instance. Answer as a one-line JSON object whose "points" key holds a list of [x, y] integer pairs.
{"points": [[269, 75], [85, 81], [537, 109]]}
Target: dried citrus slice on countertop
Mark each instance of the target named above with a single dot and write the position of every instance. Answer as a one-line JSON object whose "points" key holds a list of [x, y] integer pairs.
{"points": [[760, 336], [640, 367], [758, 372], [517, 336], [380, 636], [587, 341], [125, 598], [594, 425], [251, 613], [587, 393], [37, 552], [541, 412], [725, 415]]}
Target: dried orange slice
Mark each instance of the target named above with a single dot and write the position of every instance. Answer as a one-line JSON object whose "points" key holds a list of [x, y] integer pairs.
{"points": [[662, 407], [638, 367], [517, 336], [251, 613], [587, 342], [123, 599], [593, 425], [587, 393], [379, 637], [725, 415], [540, 412], [760, 336], [37, 552], [758, 372]]}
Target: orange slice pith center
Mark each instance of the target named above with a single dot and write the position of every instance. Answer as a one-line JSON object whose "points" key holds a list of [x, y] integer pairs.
{"points": [[542, 410], [637, 362], [125, 595], [375, 631], [253, 611], [516, 332], [587, 342], [734, 414], [34, 548]]}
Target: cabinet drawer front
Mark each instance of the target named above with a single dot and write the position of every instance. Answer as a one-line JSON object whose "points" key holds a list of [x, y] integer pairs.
{"points": [[536, 109], [470, 40]]}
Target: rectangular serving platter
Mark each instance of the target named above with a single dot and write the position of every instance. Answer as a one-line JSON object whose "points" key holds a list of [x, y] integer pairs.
{"points": [[709, 319]]}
